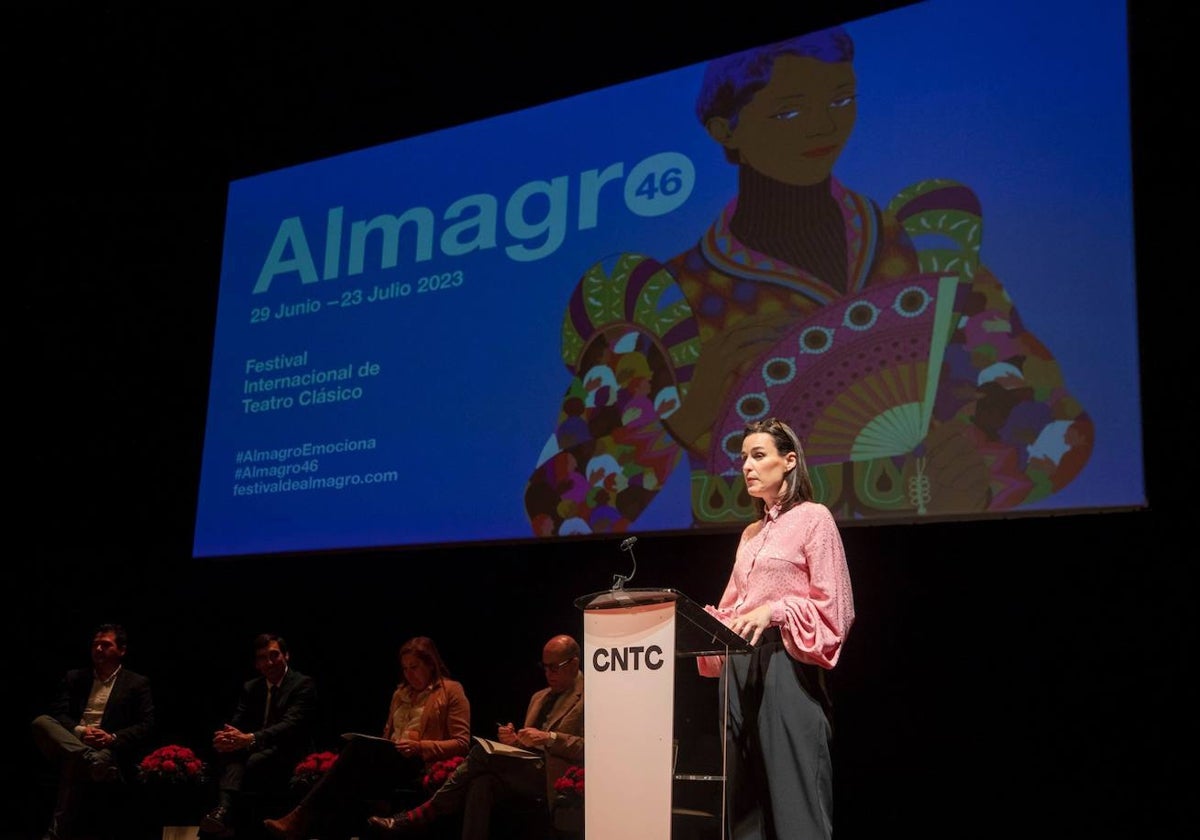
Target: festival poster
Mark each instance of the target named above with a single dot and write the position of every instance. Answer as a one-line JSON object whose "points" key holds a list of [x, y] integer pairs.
{"points": [[399, 328]]}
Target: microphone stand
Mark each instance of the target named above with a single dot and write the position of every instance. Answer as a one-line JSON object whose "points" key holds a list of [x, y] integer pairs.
{"points": [[619, 581]]}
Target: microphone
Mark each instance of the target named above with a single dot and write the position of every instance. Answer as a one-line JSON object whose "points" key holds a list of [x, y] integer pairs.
{"points": [[619, 581]]}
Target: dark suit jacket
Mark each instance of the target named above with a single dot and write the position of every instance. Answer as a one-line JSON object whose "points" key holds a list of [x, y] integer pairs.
{"points": [[290, 733], [566, 718], [128, 716]]}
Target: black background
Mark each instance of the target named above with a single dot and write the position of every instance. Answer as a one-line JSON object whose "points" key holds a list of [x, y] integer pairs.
{"points": [[1025, 675]]}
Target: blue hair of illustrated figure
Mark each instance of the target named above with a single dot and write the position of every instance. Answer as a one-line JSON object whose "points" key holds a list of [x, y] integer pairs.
{"points": [[731, 82]]}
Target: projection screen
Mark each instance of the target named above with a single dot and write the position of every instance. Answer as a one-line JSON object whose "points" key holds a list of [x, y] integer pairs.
{"points": [[910, 236]]}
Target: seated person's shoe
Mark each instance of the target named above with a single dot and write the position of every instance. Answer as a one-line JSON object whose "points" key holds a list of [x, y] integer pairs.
{"points": [[291, 826], [216, 822], [101, 766], [397, 825]]}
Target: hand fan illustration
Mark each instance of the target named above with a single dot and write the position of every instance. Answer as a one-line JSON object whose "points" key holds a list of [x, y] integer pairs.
{"points": [[856, 381]]}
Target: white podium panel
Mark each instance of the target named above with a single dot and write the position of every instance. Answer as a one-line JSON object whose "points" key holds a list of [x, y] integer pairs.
{"points": [[629, 661]]}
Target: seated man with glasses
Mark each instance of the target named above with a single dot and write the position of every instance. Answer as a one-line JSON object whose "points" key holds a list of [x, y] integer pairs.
{"points": [[552, 732]]}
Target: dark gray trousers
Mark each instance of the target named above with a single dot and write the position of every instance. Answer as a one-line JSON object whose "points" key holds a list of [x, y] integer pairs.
{"points": [[64, 750], [484, 780], [779, 775]]}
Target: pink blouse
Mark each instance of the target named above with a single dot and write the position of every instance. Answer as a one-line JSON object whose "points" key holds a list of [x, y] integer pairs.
{"points": [[795, 562]]}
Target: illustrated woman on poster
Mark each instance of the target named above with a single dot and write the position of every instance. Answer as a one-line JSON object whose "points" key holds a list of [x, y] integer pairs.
{"points": [[902, 361]]}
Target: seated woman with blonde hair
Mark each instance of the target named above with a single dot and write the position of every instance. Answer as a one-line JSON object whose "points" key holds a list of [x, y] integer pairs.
{"points": [[429, 720]]}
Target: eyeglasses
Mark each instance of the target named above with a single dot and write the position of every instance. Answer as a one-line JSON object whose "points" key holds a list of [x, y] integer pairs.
{"points": [[554, 669]]}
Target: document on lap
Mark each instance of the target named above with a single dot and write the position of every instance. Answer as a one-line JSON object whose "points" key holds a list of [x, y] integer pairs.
{"points": [[359, 736], [498, 748]]}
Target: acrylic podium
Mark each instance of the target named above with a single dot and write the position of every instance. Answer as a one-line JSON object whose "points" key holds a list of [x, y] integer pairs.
{"points": [[631, 639]]}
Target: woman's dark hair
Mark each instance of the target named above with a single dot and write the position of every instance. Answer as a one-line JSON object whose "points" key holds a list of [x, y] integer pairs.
{"points": [[731, 82], [797, 483], [424, 649]]}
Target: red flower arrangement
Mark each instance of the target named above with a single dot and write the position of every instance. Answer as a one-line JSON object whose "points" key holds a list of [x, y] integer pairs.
{"points": [[172, 764], [439, 772], [570, 784], [315, 765]]}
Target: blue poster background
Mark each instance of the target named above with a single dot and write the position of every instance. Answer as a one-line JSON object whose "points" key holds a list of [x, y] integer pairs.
{"points": [[1027, 103]]}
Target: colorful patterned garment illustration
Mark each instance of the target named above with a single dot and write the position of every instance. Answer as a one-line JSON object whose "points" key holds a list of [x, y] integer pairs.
{"points": [[918, 392]]}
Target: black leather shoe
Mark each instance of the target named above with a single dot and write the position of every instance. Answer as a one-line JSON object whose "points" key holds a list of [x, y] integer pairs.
{"points": [[397, 825], [101, 767], [216, 822]]}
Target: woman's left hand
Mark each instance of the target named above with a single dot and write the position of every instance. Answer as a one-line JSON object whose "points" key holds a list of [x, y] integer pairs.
{"points": [[408, 748], [750, 626]]}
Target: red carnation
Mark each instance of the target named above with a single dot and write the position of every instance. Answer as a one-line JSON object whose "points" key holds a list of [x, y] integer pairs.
{"points": [[171, 763], [570, 784], [439, 772], [310, 770]]}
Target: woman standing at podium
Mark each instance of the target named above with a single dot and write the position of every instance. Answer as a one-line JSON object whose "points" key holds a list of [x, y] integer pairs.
{"points": [[789, 595]]}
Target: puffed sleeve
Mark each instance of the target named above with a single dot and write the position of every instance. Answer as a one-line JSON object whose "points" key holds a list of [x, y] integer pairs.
{"points": [[814, 624]]}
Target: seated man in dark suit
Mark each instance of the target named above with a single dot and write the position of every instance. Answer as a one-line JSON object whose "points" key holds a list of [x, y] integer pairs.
{"points": [[97, 726], [270, 732], [553, 730]]}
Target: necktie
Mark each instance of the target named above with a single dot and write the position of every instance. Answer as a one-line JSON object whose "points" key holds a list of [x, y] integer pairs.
{"points": [[270, 705]]}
